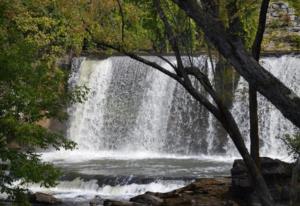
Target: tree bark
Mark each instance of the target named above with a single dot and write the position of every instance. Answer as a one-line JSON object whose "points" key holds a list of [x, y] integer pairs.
{"points": [[254, 136], [233, 50], [256, 49]]}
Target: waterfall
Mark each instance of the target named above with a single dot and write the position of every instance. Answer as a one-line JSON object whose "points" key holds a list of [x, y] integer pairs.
{"points": [[272, 124], [132, 108]]}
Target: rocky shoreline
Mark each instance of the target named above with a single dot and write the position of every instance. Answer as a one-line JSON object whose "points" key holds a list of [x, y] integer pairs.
{"points": [[220, 191], [232, 191], [202, 192]]}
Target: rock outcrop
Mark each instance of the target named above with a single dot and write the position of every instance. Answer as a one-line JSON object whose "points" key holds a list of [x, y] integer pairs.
{"points": [[202, 192], [276, 173], [43, 198], [283, 28]]}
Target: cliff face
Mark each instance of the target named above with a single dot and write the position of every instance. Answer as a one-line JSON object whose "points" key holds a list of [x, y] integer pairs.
{"points": [[283, 28]]}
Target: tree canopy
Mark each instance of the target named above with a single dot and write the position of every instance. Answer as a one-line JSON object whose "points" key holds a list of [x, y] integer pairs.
{"points": [[33, 36]]}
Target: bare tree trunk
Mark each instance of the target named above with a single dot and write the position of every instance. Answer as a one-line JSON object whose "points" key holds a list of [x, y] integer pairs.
{"points": [[256, 49], [233, 50], [254, 137]]}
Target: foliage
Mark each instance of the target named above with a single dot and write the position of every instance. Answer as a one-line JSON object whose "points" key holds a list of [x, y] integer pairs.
{"points": [[247, 12], [33, 35], [294, 40], [293, 144], [296, 5]]}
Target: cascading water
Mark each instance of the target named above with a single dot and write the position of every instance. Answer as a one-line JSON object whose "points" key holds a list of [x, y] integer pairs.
{"points": [[137, 124], [272, 124], [132, 107]]}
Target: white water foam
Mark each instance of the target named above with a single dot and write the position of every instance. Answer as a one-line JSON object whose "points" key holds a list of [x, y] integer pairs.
{"points": [[85, 190], [77, 156]]}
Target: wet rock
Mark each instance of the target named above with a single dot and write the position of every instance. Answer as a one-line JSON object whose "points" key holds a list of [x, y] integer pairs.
{"points": [[202, 192], [148, 199], [121, 203], [96, 201], [43, 198], [276, 173], [270, 168]]}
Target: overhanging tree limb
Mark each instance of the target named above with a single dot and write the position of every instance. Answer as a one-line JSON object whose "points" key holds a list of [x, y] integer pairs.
{"points": [[197, 95], [171, 36], [221, 112], [234, 51]]}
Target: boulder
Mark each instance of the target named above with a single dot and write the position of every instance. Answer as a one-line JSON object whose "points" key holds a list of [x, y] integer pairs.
{"points": [[269, 167], [276, 173], [43, 198]]}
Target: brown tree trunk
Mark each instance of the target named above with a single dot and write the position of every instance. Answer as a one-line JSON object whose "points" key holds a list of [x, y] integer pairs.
{"points": [[256, 49], [233, 50]]}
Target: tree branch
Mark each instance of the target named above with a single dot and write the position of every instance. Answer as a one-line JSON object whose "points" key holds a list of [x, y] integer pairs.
{"points": [[123, 19], [188, 86], [103, 45], [171, 37], [256, 47], [234, 51], [167, 61]]}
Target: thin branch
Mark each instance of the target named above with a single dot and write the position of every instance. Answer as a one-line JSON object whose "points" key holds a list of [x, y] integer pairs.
{"points": [[123, 19], [187, 85], [140, 59], [163, 58], [203, 79], [171, 37], [256, 47], [181, 72], [167, 61]]}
